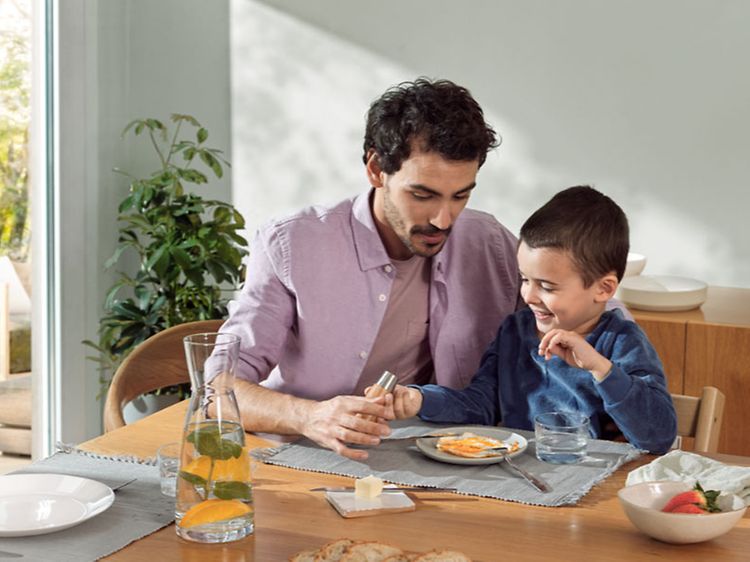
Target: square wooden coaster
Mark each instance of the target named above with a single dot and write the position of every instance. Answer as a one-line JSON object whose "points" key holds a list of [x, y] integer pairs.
{"points": [[388, 502]]}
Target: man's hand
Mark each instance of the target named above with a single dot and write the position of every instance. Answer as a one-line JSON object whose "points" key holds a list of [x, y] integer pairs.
{"points": [[334, 423], [575, 351]]}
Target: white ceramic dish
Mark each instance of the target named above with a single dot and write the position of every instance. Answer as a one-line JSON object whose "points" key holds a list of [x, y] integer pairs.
{"points": [[427, 444], [35, 504], [643, 502], [635, 264], [662, 292]]}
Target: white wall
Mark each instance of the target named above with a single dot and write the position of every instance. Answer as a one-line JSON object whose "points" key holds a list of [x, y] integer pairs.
{"points": [[121, 60], [648, 101]]}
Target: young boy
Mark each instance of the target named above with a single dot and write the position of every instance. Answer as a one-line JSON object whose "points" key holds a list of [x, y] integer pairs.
{"points": [[564, 352]]}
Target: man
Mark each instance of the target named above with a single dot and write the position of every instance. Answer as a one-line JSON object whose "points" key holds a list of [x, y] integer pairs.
{"points": [[399, 278]]}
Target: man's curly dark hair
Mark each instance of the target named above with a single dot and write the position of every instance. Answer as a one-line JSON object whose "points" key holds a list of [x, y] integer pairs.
{"points": [[439, 115]]}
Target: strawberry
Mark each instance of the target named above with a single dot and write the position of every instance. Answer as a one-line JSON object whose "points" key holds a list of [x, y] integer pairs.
{"points": [[705, 501], [689, 508]]}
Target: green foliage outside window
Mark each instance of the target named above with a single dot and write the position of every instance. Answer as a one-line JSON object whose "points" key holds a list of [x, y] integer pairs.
{"points": [[15, 216]]}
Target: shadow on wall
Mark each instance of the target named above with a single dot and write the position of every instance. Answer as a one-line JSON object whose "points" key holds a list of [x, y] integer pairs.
{"points": [[299, 97]]}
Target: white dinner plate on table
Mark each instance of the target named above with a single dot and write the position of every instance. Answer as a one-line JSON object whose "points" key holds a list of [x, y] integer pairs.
{"points": [[34, 504], [427, 444]]}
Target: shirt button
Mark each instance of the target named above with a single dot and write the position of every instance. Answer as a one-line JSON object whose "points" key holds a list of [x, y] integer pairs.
{"points": [[362, 354], [382, 298], [388, 268]]}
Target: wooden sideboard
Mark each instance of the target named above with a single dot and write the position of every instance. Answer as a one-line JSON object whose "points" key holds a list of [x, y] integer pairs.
{"points": [[709, 346]]}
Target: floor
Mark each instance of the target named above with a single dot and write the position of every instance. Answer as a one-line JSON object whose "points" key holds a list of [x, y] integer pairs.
{"points": [[9, 463]]}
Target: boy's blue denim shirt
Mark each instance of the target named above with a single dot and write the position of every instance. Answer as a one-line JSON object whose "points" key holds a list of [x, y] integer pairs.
{"points": [[514, 384]]}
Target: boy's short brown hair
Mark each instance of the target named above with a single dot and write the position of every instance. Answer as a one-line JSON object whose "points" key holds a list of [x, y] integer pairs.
{"points": [[588, 225]]}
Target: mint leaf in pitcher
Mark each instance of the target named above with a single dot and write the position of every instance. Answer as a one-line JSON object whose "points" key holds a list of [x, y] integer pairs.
{"points": [[231, 490]]}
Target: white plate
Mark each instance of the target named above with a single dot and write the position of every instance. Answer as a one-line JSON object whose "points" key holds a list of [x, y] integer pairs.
{"points": [[427, 444], [666, 293], [34, 504]]}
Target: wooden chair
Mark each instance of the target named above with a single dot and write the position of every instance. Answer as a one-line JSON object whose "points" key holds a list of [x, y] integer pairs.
{"points": [[700, 417], [157, 362]]}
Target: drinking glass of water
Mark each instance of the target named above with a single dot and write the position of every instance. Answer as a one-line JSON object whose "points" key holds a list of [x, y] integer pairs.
{"points": [[561, 437], [168, 457]]}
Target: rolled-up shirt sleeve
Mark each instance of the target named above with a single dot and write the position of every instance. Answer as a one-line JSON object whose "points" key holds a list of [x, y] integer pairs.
{"points": [[264, 312]]}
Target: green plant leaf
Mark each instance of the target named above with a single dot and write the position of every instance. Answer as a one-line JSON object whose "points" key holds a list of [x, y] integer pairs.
{"points": [[216, 270], [222, 215], [181, 257], [126, 309], [193, 479], [129, 126], [115, 257], [113, 290], [143, 295], [210, 161], [125, 204], [177, 117], [239, 220], [201, 135], [233, 490], [155, 257], [155, 125]]}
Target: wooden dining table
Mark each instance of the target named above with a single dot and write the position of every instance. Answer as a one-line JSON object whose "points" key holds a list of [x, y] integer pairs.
{"points": [[290, 518]]}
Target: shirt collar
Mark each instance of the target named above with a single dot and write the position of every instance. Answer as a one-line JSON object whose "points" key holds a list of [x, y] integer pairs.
{"points": [[369, 246], [370, 249]]}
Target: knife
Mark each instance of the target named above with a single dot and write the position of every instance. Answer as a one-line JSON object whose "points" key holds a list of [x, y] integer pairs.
{"points": [[535, 481], [395, 489]]}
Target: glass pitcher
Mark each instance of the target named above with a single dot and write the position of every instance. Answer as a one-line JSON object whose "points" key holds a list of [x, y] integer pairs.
{"points": [[214, 489]]}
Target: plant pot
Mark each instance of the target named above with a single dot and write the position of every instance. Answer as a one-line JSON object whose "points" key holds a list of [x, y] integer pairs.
{"points": [[147, 404]]}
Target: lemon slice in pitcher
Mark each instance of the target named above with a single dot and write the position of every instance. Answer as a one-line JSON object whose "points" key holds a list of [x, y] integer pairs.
{"points": [[231, 469], [213, 511]]}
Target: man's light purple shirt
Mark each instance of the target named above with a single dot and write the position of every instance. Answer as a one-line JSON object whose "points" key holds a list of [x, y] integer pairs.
{"points": [[317, 288]]}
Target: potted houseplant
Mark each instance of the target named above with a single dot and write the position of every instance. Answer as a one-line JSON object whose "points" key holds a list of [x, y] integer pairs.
{"points": [[188, 249]]}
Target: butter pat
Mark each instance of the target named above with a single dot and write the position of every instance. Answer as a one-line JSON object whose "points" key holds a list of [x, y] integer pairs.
{"points": [[368, 488]]}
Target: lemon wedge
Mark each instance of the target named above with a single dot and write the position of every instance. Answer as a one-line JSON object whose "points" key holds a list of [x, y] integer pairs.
{"points": [[213, 511], [237, 469]]}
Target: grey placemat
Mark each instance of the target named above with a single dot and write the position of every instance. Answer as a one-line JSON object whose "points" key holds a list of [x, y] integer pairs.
{"points": [[401, 462], [139, 509]]}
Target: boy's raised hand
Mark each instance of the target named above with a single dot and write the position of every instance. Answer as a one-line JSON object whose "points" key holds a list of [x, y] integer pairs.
{"points": [[575, 351]]}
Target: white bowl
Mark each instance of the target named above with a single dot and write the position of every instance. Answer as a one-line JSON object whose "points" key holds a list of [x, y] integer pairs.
{"points": [[643, 502], [662, 292], [636, 263]]}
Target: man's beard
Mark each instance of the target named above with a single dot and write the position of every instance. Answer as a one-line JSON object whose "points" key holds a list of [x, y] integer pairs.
{"points": [[428, 230], [393, 217], [426, 251]]}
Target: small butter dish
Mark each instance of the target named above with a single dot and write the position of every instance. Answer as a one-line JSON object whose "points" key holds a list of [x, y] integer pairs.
{"points": [[348, 505]]}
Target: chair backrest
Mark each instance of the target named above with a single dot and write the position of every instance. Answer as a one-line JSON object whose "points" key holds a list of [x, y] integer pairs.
{"points": [[157, 362], [700, 417]]}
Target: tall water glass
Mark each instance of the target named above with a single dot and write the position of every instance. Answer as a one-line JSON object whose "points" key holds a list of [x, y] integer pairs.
{"points": [[214, 490]]}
